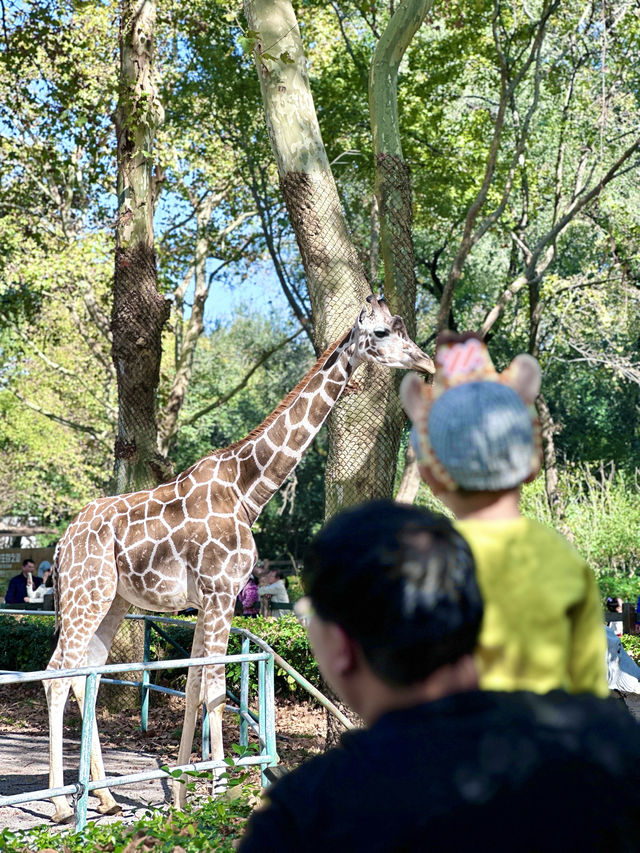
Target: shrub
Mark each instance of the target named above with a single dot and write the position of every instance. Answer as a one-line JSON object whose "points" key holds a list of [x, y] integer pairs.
{"points": [[631, 642], [26, 646], [602, 516], [205, 824], [26, 642]]}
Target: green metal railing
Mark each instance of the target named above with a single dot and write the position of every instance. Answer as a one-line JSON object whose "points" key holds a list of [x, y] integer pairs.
{"points": [[263, 724]]}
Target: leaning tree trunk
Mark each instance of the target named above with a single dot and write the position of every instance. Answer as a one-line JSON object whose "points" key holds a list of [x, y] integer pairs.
{"points": [[139, 311], [362, 454], [393, 190], [365, 426]]}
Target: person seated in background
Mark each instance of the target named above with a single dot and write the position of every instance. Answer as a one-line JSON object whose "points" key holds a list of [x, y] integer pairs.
{"points": [[20, 585], [249, 598], [614, 605], [43, 569], [477, 439], [43, 593], [623, 673], [272, 588], [394, 611]]}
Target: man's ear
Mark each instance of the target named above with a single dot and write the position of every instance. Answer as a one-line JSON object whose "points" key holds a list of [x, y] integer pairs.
{"points": [[341, 649]]}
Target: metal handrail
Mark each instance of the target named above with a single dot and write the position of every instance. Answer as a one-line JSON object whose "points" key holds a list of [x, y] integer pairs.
{"points": [[266, 699], [265, 726]]}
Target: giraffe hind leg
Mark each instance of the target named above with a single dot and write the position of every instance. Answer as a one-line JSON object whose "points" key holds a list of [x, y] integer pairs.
{"points": [[56, 691]]}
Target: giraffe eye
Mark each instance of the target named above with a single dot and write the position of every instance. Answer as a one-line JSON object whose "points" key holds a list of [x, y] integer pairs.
{"points": [[381, 333]]}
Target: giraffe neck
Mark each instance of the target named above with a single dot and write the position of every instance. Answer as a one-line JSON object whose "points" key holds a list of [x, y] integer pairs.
{"points": [[270, 452]]}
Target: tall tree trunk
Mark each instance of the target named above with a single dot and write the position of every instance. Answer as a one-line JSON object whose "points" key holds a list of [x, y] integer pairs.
{"points": [[139, 311], [393, 191], [393, 187], [548, 427], [410, 482], [363, 448]]}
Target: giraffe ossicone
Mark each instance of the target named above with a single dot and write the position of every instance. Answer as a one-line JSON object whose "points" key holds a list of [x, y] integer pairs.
{"points": [[188, 542]]}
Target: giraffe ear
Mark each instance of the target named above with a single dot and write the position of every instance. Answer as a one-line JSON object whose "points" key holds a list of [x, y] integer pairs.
{"points": [[413, 396], [525, 377]]}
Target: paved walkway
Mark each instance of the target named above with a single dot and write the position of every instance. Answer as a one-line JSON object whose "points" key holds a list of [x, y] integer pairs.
{"points": [[24, 767]]}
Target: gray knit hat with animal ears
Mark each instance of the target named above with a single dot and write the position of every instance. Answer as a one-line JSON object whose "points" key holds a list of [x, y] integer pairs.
{"points": [[474, 428]]}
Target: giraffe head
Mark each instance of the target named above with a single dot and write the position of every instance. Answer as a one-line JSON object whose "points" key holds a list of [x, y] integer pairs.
{"points": [[382, 336]]}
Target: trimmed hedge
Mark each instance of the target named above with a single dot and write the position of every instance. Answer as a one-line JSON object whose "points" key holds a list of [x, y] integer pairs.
{"points": [[26, 645], [285, 636], [26, 642]]}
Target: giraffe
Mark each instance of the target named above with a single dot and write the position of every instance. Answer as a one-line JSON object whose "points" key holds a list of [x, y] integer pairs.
{"points": [[188, 542]]}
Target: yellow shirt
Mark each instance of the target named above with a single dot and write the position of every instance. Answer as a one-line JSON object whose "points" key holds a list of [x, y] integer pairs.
{"points": [[543, 627]]}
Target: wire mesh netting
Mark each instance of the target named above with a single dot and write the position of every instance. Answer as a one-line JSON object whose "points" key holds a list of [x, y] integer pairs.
{"points": [[366, 424]]}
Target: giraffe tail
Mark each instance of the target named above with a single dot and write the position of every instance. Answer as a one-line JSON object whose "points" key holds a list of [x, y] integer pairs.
{"points": [[56, 592], [53, 642]]}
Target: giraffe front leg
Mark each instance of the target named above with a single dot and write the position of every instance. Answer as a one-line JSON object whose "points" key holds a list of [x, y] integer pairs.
{"points": [[108, 805], [215, 692], [193, 693], [193, 701]]}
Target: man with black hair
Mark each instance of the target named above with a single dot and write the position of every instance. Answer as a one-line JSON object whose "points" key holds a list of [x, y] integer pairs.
{"points": [[19, 585], [393, 611]]}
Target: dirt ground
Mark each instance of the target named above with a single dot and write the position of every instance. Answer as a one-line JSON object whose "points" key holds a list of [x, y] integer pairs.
{"points": [[300, 727]]}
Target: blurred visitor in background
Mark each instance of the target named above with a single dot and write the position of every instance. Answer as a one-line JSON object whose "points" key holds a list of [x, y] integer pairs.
{"points": [[249, 598], [614, 605], [272, 590], [22, 584], [43, 593]]}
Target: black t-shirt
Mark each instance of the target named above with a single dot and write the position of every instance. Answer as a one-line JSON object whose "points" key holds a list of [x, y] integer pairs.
{"points": [[512, 772]]}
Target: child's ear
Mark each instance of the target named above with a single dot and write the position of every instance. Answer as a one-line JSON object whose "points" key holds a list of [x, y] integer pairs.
{"points": [[413, 398], [438, 487], [525, 377]]}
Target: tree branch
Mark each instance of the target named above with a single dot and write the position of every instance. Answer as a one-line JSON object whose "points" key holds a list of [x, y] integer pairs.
{"points": [[224, 398]]}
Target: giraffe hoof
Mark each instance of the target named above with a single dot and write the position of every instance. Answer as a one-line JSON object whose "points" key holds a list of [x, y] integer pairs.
{"points": [[109, 808], [63, 817]]}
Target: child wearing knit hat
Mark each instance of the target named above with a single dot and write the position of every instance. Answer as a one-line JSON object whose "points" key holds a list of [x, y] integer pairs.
{"points": [[477, 440]]}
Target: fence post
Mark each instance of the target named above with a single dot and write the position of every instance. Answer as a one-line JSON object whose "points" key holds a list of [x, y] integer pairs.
{"points": [[146, 677], [628, 618], [262, 717], [88, 719], [270, 713], [244, 694]]}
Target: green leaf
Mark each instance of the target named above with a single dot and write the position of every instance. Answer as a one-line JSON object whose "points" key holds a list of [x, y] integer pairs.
{"points": [[247, 44]]}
